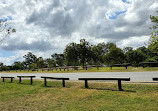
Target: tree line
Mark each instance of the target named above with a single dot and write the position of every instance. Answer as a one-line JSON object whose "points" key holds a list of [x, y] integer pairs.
{"points": [[84, 54]]}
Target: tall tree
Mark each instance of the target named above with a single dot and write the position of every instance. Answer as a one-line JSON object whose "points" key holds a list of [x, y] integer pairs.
{"points": [[135, 57], [17, 65], [41, 63], [109, 45], [71, 53], [30, 58], [59, 59], [114, 56], [50, 62], [153, 42], [84, 52], [146, 52]]}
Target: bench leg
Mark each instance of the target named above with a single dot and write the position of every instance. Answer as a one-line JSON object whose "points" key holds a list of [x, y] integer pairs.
{"points": [[86, 83], [11, 80], [119, 85], [31, 80], [63, 83], [19, 79], [3, 79], [45, 82]]}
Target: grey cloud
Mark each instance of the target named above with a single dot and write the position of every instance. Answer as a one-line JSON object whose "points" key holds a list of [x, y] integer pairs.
{"points": [[60, 19], [73, 16], [138, 28], [87, 18], [40, 45]]}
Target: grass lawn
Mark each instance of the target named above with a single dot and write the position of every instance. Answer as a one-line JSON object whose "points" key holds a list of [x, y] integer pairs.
{"points": [[102, 69], [74, 97]]}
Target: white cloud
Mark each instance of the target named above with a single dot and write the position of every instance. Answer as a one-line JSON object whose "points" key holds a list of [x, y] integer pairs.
{"points": [[120, 29], [134, 42], [131, 18], [154, 6]]}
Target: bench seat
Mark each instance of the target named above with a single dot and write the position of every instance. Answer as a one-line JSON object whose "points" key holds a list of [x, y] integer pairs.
{"points": [[11, 78], [57, 78], [118, 79], [124, 79], [31, 78], [155, 79]]}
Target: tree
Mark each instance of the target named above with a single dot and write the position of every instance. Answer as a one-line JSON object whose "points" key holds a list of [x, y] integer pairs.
{"points": [[24, 65], [50, 62], [127, 49], [108, 46], [84, 50], [41, 63], [152, 59], [153, 42], [100, 50], [33, 66], [135, 57], [59, 59], [30, 58], [17, 66], [96, 56], [114, 56], [71, 53], [6, 28], [4, 68], [1, 64], [146, 52]]}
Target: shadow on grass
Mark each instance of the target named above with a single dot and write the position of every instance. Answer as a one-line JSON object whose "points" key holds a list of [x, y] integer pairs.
{"points": [[55, 86], [8, 82], [148, 82], [110, 89], [26, 84]]}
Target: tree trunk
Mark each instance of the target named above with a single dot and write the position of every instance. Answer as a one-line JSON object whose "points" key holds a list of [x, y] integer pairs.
{"points": [[83, 64]]}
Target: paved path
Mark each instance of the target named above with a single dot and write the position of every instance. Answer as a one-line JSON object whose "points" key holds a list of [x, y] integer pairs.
{"points": [[135, 76]]}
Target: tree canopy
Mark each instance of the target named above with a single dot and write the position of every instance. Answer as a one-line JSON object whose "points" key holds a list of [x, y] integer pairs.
{"points": [[153, 42]]}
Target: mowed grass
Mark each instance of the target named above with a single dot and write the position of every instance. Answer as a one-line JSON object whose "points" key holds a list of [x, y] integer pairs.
{"points": [[94, 69], [74, 97]]}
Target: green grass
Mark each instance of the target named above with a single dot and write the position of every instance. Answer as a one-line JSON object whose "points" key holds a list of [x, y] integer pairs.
{"points": [[102, 69], [74, 97]]}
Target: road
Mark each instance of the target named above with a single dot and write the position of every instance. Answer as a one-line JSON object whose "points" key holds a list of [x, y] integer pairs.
{"points": [[135, 76]]}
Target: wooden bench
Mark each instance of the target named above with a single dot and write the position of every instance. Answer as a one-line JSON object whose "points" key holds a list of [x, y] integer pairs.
{"points": [[120, 65], [31, 78], [118, 79], [11, 78], [155, 79], [57, 78]]}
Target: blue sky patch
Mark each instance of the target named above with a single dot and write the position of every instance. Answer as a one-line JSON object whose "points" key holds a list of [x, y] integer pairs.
{"points": [[114, 16], [125, 1], [6, 53], [9, 18], [6, 19]]}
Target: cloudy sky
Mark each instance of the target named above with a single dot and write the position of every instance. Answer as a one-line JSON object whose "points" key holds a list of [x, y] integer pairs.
{"points": [[47, 26]]}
